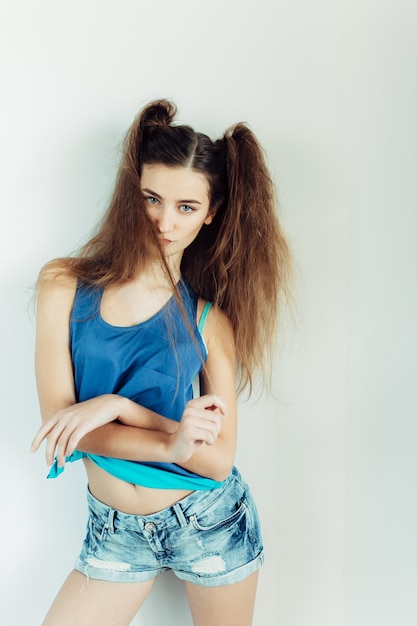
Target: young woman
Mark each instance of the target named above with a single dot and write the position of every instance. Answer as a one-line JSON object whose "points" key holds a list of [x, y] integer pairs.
{"points": [[181, 282]]}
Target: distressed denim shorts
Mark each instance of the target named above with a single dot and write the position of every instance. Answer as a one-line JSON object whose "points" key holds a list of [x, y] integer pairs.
{"points": [[209, 538]]}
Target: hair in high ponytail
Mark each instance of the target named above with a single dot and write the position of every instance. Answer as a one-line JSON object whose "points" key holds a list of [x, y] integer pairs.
{"points": [[240, 262], [247, 268], [158, 113]]}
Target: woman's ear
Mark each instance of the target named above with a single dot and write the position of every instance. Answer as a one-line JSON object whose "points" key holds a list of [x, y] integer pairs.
{"points": [[209, 218], [211, 214]]}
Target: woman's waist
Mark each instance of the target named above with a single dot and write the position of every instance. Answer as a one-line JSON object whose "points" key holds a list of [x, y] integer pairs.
{"points": [[128, 497]]}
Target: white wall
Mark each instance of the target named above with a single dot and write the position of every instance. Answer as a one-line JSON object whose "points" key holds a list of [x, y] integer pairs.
{"points": [[330, 89], [381, 425]]}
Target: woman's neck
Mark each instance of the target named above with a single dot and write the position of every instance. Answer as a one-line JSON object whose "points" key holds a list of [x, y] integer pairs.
{"points": [[156, 276]]}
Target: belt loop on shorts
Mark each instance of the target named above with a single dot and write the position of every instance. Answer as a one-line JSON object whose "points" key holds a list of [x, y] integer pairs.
{"points": [[110, 520], [182, 520]]}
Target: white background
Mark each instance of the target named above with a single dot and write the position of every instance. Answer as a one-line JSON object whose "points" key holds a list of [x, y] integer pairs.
{"points": [[330, 89]]}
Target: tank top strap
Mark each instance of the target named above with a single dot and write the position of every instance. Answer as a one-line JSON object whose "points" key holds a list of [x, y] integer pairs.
{"points": [[87, 302], [203, 317]]}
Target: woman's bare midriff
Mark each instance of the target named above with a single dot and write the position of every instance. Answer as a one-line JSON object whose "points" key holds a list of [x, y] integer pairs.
{"points": [[127, 497]]}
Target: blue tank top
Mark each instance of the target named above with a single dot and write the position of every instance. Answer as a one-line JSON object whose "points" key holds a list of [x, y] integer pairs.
{"points": [[153, 363]]}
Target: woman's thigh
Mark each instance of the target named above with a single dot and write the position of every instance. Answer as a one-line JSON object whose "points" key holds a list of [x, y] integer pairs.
{"points": [[82, 603], [229, 605]]}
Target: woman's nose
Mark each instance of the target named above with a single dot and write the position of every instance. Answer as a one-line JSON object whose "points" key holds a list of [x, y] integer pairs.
{"points": [[165, 221]]}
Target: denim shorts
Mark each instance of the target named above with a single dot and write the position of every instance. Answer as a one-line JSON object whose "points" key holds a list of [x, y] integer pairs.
{"points": [[210, 538]]}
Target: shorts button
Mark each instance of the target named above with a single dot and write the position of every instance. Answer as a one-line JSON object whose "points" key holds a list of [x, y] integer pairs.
{"points": [[149, 526]]}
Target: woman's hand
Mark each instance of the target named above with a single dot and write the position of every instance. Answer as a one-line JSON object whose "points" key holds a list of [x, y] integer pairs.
{"points": [[200, 423], [67, 427]]}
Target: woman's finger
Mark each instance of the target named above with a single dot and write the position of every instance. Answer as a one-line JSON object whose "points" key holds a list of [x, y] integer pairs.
{"points": [[75, 437], [210, 402], [52, 442], [198, 427], [42, 433]]}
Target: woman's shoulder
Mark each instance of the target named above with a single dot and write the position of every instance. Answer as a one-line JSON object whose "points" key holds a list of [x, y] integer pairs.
{"points": [[55, 295], [217, 326], [55, 277]]}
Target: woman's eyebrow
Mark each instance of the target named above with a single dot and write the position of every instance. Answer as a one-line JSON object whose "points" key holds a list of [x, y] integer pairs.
{"points": [[153, 193]]}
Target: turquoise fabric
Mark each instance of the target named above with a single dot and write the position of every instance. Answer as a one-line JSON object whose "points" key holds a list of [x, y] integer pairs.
{"points": [[203, 317]]}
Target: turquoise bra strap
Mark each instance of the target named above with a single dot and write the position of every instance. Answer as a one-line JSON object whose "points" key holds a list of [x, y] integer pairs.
{"points": [[203, 317]]}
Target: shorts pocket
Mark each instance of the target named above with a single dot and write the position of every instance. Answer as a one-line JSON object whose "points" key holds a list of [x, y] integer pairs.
{"points": [[223, 513]]}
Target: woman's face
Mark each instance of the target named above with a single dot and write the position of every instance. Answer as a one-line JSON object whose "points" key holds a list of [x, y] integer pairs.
{"points": [[177, 200]]}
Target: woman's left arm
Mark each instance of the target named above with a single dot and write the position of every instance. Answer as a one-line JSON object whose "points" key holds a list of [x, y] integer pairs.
{"points": [[219, 378]]}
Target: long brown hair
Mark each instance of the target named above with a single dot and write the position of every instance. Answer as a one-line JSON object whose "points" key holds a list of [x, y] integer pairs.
{"points": [[240, 262]]}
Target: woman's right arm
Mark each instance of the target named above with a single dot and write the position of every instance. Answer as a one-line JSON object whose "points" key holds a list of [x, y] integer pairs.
{"points": [[53, 365], [55, 376]]}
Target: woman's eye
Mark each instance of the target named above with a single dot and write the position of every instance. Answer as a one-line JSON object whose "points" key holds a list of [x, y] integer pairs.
{"points": [[185, 208], [152, 200]]}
